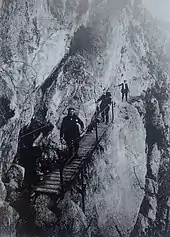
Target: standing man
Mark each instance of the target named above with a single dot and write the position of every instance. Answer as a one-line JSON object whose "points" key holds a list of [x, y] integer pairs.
{"points": [[70, 131], [124, 90], [105, 106]]}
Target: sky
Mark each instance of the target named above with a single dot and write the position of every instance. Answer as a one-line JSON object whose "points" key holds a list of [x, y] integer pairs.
{"points": [[160, 9]]}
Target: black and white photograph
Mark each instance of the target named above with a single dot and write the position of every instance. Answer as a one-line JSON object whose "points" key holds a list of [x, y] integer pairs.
{"points": [[84, 118]]}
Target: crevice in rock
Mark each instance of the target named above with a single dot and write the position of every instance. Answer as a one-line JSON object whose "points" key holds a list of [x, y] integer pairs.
{"points": [[5, 112], [152, 211], [28, 155]]}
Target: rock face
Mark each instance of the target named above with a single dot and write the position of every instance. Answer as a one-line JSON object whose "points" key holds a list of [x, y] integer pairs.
{"points": [[15, 176], [3, 191], [118, 185], [14, 181], [73, 219], [60, 53], [65, 220], [44, 216], [8, 220], [151, 220]]}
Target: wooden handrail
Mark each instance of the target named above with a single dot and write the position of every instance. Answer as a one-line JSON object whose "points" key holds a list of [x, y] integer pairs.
{"points": [[62, 164]]}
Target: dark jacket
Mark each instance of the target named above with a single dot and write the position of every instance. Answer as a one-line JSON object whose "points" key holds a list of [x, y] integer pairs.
{"points": [[124, 88], [70, 127], [105, 101]]}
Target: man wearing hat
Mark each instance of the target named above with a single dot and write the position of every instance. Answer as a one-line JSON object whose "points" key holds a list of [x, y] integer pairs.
{"points": [[70, 131], [124, 90], [106, 101]]}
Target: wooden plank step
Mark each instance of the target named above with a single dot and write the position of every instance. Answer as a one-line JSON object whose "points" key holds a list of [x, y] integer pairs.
{"points": [[68, 175], [50, 182], [50, 186], [46, 190], [53, 176], [70, 167], [77, 161], [56, 173], [65, 178], [74, 167], [69, 172]]}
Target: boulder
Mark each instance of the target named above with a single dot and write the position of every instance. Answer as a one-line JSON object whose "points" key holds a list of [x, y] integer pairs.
{"points": [[3, 192], [8, 220], [15, 176], [73, 219], [14, 180], [44, 217]]}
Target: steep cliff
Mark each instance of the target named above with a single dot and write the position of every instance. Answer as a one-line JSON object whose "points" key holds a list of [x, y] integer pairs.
{"points": [[56, 54]]}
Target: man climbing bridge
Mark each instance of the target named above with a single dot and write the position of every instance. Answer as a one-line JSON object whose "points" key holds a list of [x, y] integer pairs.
{"points": [[70, 132], [106, 101]]}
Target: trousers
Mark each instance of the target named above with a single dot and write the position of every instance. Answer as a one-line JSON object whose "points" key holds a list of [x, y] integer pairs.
{"points": [[124, 94], [105, 114], [73, 146]]}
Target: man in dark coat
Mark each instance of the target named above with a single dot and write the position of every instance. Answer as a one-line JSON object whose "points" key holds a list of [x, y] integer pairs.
{"points": [[70, 131], [124, 90], [105, 106]]}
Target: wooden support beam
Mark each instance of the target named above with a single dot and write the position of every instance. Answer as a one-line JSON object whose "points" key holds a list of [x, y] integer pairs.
{"points": [[112, 112], [83, 191], [167, 218], [61, 182], [96, 128]]}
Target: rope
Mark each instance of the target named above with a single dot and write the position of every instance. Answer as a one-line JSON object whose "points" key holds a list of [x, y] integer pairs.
{"points": [[27, 134], [72, 144], [33, 131]]}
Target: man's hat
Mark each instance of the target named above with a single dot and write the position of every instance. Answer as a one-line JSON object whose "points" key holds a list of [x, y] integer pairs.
{"points": [[70, 108], [108, 93]]}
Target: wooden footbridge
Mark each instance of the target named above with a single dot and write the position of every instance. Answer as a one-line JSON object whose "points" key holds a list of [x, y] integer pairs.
{"points": [[65, 175]]}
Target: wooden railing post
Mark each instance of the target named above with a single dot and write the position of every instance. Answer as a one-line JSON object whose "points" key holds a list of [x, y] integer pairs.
{"points": [[112, 112], [96, 128], [82, 190], [61, 178], [167, 218]]}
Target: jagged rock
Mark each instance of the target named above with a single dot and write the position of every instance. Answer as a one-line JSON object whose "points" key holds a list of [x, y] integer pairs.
{"points": [[73, 219], [156, 114], [141, 227], [152, 186], [15, 176], [44, 217], [13, 195], [3, 191], [8, 220], [155, 161], [14, 180], [153, 208], [139, 105]]}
